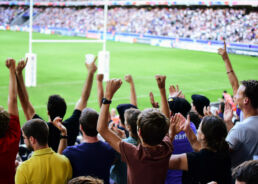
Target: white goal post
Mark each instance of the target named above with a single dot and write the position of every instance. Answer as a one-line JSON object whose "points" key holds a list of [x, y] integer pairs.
{"points": [[103, 56]]}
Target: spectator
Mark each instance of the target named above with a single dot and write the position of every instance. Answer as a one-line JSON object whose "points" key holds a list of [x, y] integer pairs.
{"points": [[199, 102], [241, 137], [92, 157], [57, 107], [41, 167], [9, 130], [119, 169], [180, 143], [147, 163], [246, 173], [211, 162]]}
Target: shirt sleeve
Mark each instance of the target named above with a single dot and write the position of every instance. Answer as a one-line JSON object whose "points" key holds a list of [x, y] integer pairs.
{"points": [[14, 127], [233, 137], [19, 176], [72, 126], [127, 151]]}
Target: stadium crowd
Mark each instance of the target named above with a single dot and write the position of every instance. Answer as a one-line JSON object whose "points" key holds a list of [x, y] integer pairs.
{"points": [[171, 142], [235, 25]]}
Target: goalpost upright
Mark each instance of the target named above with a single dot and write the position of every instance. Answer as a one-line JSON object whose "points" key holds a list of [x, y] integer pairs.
{"points": [[103, 56]]}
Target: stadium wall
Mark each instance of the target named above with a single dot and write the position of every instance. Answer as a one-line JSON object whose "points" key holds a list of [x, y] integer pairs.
{"points": [[161, 41]]}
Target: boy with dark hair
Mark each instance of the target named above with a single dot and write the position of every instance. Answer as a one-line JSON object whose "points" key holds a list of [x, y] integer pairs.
{"points": [[147, 162], [41, 167], [9, 130], [92, 157], [246, 173], [118, 171], [57, 106]]}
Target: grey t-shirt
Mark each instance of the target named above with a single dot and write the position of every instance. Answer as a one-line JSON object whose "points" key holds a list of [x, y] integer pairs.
{"points": [[243, 140]]}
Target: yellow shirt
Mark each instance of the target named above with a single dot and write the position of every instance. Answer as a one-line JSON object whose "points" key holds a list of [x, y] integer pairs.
{"points": [[44, 167]]}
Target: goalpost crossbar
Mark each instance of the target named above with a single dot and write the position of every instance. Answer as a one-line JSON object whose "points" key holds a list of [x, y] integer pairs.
{"points": [[67, 41]]}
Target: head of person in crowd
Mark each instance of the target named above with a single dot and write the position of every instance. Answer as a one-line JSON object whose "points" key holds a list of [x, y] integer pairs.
{"points": [[56, 106], [88, 122], [152, 126], [246, 97], [246, 173], [35, 133], [131, 117], [195, 119], [212, 133], [121, 108], [198, 103], [4, 121], [179, 105], [85, 180]]}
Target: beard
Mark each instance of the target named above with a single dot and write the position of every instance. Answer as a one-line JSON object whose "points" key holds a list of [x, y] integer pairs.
{"points": [[29, 147]]}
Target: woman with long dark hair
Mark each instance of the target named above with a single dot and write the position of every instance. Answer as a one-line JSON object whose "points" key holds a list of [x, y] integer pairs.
{"points": [[210, 161]]}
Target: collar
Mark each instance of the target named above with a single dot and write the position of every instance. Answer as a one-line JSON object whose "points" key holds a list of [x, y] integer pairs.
{"points": [[43, 152]]}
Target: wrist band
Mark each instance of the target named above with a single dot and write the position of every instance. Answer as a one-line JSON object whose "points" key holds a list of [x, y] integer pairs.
{"points": [[106, 101], [63, 137], [230, 72]]}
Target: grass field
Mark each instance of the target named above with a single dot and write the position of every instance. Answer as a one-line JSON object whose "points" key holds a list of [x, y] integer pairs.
{"points": [[61, 70]]}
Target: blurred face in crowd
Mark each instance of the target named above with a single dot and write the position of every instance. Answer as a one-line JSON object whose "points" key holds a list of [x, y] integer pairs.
{"points": [[27, 142], [240, 98]]}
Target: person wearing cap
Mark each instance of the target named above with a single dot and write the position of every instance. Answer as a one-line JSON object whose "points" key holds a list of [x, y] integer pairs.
{"points": [[198, 103], [180, 143]]}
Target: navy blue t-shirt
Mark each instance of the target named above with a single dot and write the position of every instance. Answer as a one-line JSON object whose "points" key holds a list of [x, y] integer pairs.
{"points": [[91, 159]]}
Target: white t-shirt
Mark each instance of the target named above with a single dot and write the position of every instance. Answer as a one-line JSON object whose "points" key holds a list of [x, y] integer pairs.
{"points": [[243, 140]]}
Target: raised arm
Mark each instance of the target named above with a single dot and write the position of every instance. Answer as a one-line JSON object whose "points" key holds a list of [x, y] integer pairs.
{"points": [[230, 72], [190, 134], [152, 101], [133, 98], [102, 127], [100, 90], [12, 99], [175, 92], [27, 107], [63, 137], [161, 80], [87, 86]]}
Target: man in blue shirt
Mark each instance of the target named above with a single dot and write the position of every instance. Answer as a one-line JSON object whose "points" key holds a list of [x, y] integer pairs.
{"points": [[92, 157]]}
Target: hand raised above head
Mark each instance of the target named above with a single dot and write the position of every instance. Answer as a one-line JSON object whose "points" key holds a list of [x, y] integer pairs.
{"points": [[128, 78], [92, 66], [100, 77], [10, 63], [21, 65], [223, 51], [175, 92], [111, 87], [152, 101], [161, 80], [177, 123]]}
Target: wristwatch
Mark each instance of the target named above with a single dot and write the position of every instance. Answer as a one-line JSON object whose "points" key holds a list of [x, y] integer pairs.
{"points": [[63, 137], [106, 101]]}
